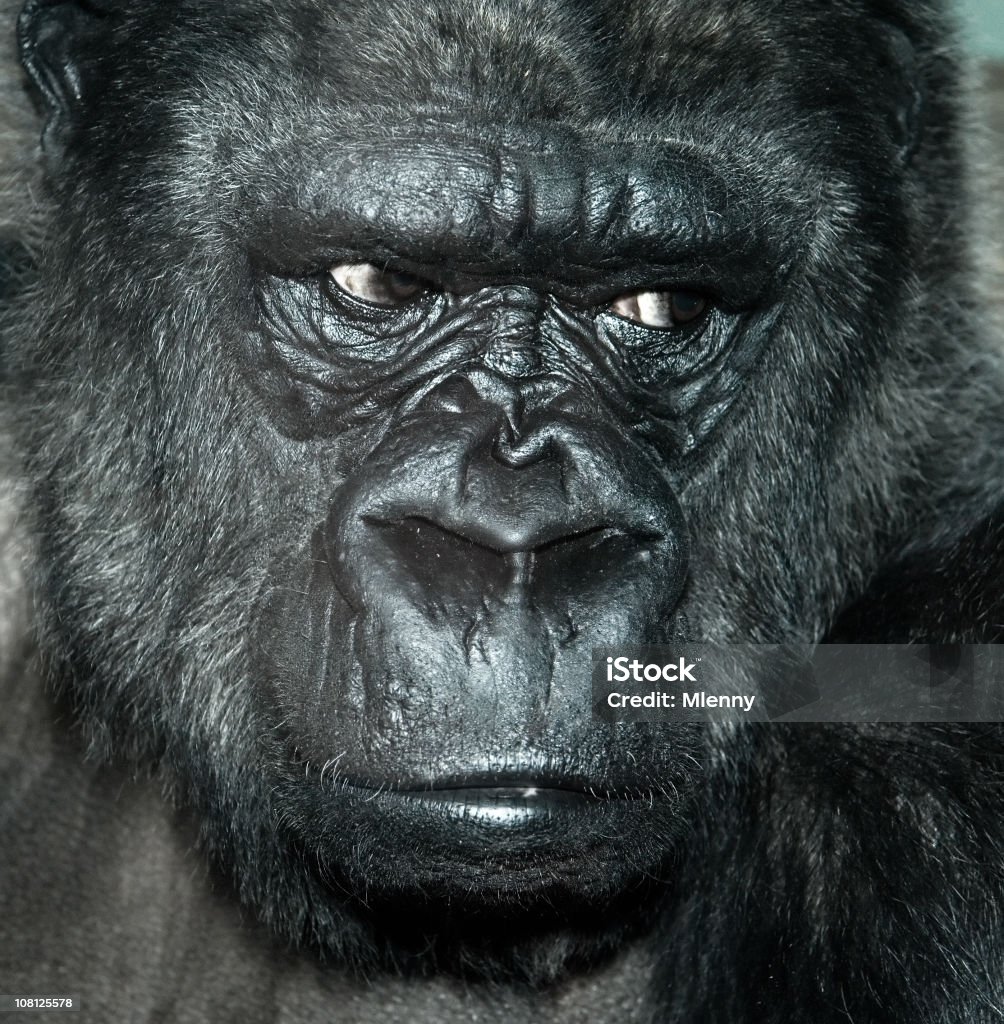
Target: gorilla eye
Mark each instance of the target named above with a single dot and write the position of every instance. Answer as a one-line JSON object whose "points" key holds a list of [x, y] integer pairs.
{"points": [[661, 309], [381, 287]]}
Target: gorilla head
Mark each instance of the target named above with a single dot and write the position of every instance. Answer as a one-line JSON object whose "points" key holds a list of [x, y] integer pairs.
{"points": [[381, 361]]}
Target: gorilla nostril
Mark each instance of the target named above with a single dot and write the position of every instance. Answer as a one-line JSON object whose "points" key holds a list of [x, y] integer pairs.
{"points": [[456, 564], [577, 562], [443, 562]]}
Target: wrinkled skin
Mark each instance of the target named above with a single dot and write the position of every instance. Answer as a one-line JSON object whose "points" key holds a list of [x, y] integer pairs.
{"points": [[365, 368]]}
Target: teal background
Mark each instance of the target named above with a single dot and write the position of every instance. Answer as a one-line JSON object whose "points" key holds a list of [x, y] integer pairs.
{"points": [[984, 24]]}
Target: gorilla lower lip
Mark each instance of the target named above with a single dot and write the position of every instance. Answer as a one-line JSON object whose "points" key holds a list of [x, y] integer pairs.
{"points": [[497, 795], [489, 804], [501, 805]]}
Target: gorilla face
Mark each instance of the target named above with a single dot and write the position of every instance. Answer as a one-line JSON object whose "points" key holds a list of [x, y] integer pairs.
{"points": [[406, 362], [495, 505]]}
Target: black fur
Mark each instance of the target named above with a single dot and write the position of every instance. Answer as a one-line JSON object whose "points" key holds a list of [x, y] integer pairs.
{"points": [[185, 409]]}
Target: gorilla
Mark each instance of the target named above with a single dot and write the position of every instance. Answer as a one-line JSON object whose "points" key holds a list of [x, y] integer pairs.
{"points": [[365, 367]]}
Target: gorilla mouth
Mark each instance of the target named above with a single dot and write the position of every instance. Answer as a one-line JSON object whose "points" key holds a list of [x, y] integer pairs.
{"points": [[497, 796], [517, 833], [489, 804], [503, 803]]}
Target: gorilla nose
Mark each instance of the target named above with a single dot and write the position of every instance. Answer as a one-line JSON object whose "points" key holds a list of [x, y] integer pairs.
{"points": [[526, 476], [500, 510], [518, 499]]}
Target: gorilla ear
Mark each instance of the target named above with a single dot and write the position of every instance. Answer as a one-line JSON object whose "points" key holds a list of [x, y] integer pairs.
{"points": [[908, 112], [60, 42]]}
